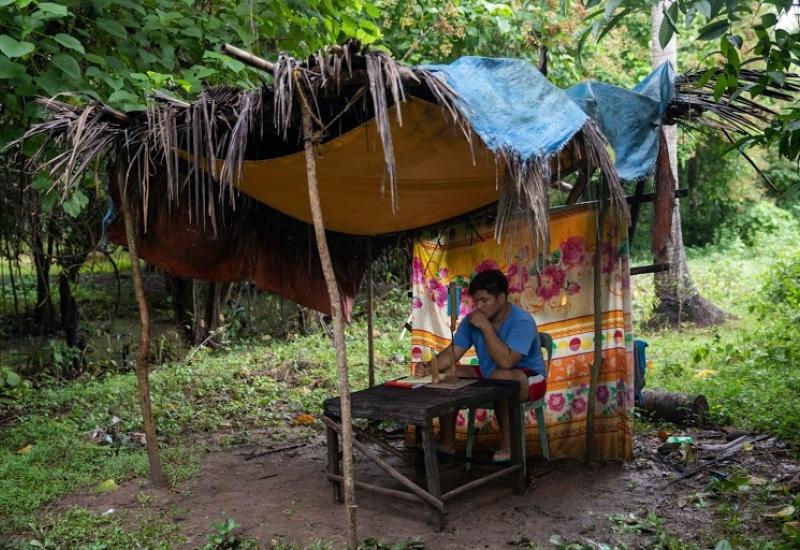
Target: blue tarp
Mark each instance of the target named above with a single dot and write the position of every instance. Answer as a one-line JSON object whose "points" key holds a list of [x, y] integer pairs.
{"points": [[514, 108], [629, 118]]}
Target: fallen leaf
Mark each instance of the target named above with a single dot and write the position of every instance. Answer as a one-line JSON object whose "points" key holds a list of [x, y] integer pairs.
{"points": [[784, 514], [304, 420], [756, 481], [25, 450], [106, 486], [705, 373]]}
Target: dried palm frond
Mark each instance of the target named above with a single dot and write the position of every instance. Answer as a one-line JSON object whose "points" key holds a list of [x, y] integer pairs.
{"points": [[733, 112]]}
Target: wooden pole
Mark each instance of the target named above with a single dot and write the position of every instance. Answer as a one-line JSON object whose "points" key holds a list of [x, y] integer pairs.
{"points": [[453, 321], [663, 204], [142, 352], [338, 319], [370, 323], [598, 322]]}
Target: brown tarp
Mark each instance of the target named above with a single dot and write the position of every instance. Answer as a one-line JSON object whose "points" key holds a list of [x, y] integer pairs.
{"points": [[251, 241]]}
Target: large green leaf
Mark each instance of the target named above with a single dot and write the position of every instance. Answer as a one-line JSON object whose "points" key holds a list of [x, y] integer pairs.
{"points": [[51, 8], [10, 70], [67, 63], [113, 28], [668, 26], [714, 30], [12, 48], [69, 42]]}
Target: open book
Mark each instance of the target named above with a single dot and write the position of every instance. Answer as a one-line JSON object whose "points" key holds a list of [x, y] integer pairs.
{"points": [[410, 382]]}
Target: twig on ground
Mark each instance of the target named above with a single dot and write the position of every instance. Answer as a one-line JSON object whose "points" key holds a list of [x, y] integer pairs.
{"points": [[256, 454]]}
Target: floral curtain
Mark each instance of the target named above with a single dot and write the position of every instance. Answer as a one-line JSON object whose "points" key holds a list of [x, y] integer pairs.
{"points": [[557, 289]]}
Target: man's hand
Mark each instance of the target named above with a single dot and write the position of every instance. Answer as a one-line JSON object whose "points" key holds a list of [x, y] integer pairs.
{"points": [[479, 321]]}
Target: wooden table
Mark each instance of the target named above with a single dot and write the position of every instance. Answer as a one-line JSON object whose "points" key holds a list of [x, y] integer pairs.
{"points": [[419, 407]]}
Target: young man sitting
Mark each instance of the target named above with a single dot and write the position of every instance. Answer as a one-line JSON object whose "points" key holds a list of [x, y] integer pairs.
{"points": [[507, 344]]}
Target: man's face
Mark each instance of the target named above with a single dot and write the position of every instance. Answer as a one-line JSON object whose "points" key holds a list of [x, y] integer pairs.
{"points": [[489, 305]]}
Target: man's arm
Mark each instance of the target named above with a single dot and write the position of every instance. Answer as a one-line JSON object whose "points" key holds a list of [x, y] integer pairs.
{"points": [[503, 356], [444, 359]]}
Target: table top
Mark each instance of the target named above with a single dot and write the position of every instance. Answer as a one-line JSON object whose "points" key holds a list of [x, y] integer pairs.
{"points": [[419, 405]]}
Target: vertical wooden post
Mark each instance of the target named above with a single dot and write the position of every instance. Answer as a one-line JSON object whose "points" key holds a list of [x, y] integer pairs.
{"points": [[453, 320], [370, 322], [142, 352], [663, 204], [338, 319], [598, 322]]}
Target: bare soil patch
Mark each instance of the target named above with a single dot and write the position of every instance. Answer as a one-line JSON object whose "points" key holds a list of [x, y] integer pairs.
{"points": [[284, 495]]}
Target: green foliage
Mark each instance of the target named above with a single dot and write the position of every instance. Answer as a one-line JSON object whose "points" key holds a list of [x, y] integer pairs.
{"points": [[223, 537], [120, 51], [741, 29], [79, 528], [756, 220], [782, 289]]}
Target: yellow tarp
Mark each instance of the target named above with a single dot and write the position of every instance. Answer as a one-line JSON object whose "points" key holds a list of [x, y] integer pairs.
{"points": [[437, 178]]}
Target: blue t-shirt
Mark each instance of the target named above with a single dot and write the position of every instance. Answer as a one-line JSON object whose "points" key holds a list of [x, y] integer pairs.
{"points": [[519, 333]]}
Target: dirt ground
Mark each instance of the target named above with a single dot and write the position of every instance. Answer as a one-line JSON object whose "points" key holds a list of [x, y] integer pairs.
{"points": [[284, 495]]}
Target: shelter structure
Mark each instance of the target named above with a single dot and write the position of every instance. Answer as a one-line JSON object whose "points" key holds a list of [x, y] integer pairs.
{"points": [[297, 183]]}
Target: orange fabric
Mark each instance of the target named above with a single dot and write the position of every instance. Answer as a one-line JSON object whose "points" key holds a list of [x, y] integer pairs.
{"points": [[437, 178]]}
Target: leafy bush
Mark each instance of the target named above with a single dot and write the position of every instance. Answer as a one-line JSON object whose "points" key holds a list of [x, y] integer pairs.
{"points": [[753, 221], [10, 385], [782, 289]]}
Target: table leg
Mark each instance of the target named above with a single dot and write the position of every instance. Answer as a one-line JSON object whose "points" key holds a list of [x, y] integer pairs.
{"points": [[516, 427], [333, 462], [432, 470]]}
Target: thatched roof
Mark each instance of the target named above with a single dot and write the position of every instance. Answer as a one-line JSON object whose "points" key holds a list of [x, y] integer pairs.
{"points": [[208, 141], [195, 157]]}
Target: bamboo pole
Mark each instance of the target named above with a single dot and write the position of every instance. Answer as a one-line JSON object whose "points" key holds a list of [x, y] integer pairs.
{"points": [[142, 352], [453, 320], [370, 323], [598, 323], [338, 319]]}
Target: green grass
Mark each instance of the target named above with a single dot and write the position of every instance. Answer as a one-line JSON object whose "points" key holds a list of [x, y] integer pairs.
{"points": [[746, 367], [264, 383]]}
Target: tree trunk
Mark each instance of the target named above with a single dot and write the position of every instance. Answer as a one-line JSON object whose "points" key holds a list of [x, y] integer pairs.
{"points": [[213, 310], [69, 317], [677, 296], [338, 322], [182, 305], [143, 351], [43, 309]]}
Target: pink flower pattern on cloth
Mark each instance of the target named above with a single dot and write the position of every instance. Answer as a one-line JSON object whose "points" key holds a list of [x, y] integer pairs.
{"points": [[573, 252], [556, 401], [610, 257], [466, 303], [486, 265], [551, 279], [437, 292], [517, 278], [417, 271]]}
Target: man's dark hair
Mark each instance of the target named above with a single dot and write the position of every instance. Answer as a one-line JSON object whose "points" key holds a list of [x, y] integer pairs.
{"points": [[492, 281]]}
